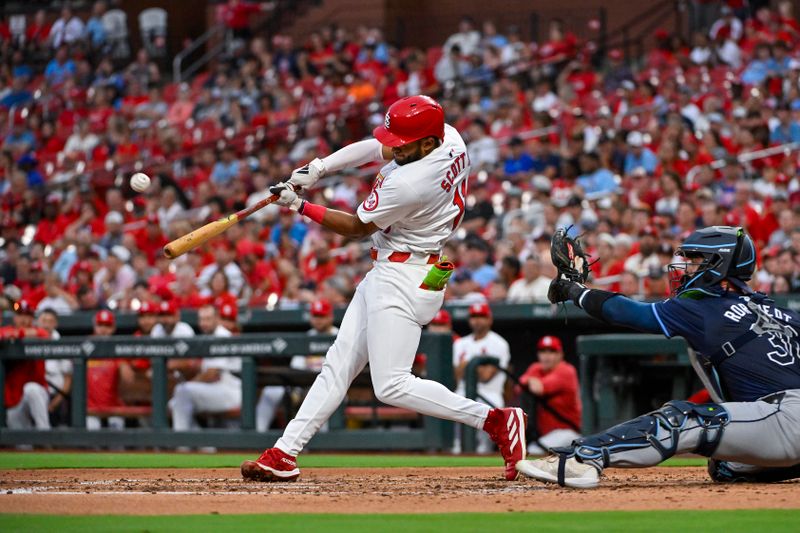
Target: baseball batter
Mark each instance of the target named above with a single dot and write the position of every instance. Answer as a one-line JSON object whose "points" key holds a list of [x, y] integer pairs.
{"points": [[416, 203], [749, 354]]}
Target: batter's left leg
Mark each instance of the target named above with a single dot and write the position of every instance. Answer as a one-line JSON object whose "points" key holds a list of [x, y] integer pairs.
{"points": [[392, 340]]}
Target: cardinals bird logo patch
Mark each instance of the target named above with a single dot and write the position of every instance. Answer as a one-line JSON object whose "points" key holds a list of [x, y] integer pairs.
{"points": [[371, 202]]}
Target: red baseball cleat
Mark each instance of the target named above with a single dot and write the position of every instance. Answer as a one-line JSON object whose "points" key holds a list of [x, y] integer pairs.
{"points": [[506, 427], [273, 465]]}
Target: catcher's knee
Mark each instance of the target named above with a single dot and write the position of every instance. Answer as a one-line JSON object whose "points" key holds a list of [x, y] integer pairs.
{"points": [[660, 429]]}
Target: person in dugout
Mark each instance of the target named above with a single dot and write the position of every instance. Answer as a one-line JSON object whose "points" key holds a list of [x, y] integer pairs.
{"points": [[25, 391], [554, 383]]}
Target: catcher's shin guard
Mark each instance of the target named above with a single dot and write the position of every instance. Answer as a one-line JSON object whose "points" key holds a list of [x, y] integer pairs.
{"points": [[677, 427], [728, 472]]}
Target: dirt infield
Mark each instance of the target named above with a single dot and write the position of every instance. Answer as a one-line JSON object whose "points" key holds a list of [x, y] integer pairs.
{"points": [[368, 490]]}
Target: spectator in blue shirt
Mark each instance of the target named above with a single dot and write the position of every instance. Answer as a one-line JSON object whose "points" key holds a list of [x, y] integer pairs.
{"points": [[95, 32], [21, 139], [518, 161], [226, 169], [18, 95], [761, 67], [19, 67], [597, 182], [787, 130], [27, 164], [639, 155], [288, 224], [60, 67], [475, 273], [544, 158]]}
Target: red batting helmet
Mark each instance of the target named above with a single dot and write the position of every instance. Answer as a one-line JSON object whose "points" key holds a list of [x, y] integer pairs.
{"points": [[410, 119]]}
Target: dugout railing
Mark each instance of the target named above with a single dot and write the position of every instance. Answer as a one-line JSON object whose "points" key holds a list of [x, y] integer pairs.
{"points": [[613, 367], [434, 434]]}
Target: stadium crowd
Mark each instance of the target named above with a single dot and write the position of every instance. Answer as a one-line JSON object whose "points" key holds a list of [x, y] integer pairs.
{"points": [[632, 152]]}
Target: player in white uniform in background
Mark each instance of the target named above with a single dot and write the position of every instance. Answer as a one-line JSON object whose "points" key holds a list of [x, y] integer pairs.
{"points": [[416, 204], [215, 389], [482, 341], [170, 323], [58, 372], [321, 318]]}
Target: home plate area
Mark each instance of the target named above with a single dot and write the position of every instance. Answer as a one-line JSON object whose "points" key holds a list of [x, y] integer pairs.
{"points": [[369, 490]]}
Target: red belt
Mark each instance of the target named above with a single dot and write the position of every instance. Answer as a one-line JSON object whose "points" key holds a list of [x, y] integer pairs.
{"points": [[401, 257]]}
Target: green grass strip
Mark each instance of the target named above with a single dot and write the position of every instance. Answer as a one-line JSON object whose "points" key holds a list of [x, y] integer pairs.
{"points": [[773, 521], [27, 460]]}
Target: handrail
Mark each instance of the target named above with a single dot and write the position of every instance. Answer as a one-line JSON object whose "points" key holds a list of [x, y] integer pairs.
{"points": [[637, 19], [785, 149], [653, 15], [177, 71]]}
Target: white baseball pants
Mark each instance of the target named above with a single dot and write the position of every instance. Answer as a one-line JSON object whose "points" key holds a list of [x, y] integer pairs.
{"points": [[31, 411], [193, 397], [268, 403], [382, 327]]}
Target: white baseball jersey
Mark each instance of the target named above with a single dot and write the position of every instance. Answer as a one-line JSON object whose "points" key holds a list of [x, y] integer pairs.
{"points": [[182, 329], [420, 204], [492, 345], [231, 364]]}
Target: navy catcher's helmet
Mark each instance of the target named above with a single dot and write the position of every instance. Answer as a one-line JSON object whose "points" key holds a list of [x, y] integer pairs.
{"points": [[728, 254]]}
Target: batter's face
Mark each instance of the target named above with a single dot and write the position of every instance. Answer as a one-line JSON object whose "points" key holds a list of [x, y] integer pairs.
{"points": [[413, 151]]}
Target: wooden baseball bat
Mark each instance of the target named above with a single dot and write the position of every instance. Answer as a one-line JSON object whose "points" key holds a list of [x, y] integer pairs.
{"points": [[192, 240]]}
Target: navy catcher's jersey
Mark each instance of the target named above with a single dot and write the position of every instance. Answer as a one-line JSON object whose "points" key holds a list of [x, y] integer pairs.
{"points": [[769, 359]]}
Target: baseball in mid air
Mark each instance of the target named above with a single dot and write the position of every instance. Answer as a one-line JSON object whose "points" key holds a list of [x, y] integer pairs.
{"points": [[140, 182]]}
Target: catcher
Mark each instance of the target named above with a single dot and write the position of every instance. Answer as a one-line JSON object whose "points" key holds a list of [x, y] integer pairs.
{"points": [[748, 356]]}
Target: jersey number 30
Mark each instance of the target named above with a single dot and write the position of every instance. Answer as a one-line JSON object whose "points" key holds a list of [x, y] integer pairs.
{"points": [[459, 200]]}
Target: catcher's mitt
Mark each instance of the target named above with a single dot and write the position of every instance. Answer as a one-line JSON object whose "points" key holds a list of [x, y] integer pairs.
{"points": [[568, 257]]}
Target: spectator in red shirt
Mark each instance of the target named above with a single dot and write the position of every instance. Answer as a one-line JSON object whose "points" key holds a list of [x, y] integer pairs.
{"points": [[259, 274], [236, 16], [25, 391], [319, 265], [52, 224], [608, 264], [554, 382], [561, 45], [151, 239], [218, 294], [37, 33], [185, 291]]}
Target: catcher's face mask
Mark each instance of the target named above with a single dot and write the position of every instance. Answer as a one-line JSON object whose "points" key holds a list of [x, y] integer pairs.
{"points": [[686, 270]]}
